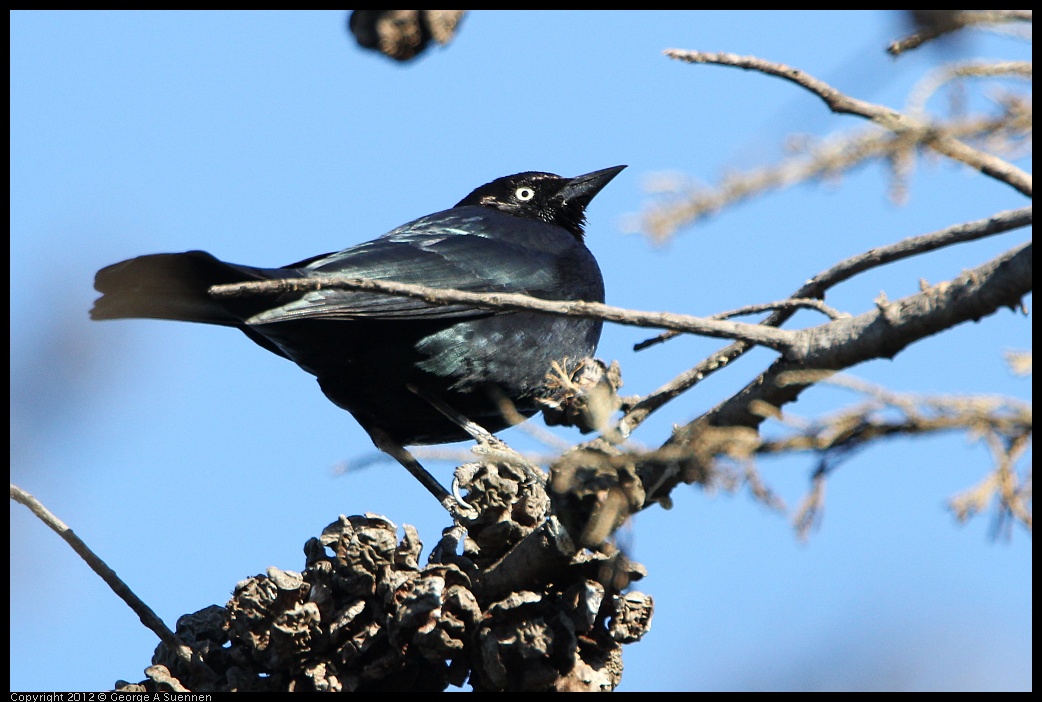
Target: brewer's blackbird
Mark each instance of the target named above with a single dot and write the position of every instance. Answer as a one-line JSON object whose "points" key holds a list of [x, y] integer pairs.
{"points": [[410, 372]]}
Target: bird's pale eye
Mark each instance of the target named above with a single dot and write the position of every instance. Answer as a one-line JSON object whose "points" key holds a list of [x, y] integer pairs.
{"points": [[524, 193]]}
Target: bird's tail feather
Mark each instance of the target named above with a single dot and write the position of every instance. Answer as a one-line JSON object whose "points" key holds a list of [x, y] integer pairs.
{"points": [[170, 286]]}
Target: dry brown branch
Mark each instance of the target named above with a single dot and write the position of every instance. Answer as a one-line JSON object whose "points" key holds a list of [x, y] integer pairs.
{"points": [[816, 287], [881, 333], [913, 129], [686, 205], [724, 456], [885, 331], [1005, 424]]}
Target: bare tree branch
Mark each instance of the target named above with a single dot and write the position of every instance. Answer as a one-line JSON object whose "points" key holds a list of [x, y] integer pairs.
{"points": [[149, 618], [816, 288], [881, 333], [753, 333], [886, 117], [1003, 422], [724, 456], [684, 205]]}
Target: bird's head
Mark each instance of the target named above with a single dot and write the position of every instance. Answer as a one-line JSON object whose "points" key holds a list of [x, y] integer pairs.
{"points": [[545, 196]]}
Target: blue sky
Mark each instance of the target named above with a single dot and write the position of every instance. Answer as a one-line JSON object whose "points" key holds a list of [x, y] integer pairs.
{"points": [[189, 458]]}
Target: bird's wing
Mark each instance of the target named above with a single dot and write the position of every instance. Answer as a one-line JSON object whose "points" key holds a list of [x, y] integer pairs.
{"points": [[475, 249]]}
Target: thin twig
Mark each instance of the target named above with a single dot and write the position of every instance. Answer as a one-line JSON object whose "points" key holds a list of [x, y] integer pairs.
{"points": [[795, 303], [790, 304], [122, 590], [933, 81]]}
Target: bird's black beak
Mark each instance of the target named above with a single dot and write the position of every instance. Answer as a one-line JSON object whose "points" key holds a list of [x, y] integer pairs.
{"points": [[579, 191]]}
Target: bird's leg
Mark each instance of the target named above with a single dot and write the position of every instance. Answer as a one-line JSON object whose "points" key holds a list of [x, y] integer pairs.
{"points": [[477, 432], [399, 453]]}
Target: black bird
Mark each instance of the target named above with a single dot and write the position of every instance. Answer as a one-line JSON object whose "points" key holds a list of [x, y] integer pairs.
{"points": [[402, 366]]}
